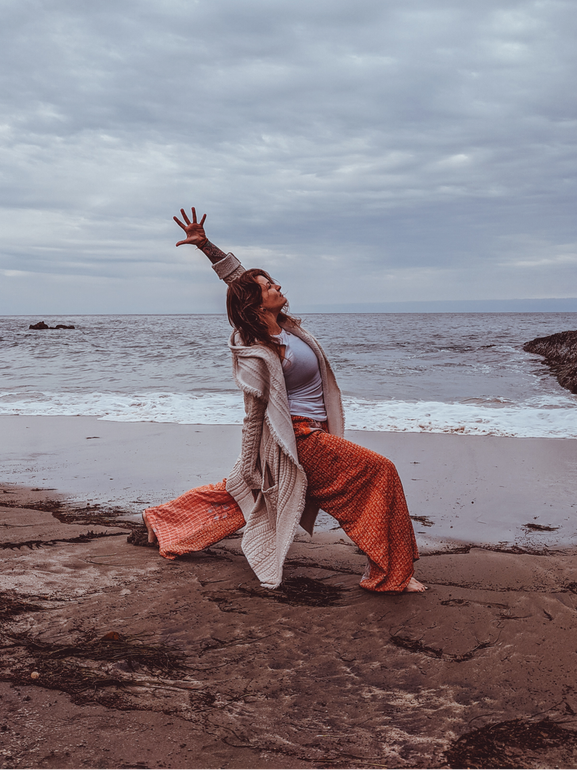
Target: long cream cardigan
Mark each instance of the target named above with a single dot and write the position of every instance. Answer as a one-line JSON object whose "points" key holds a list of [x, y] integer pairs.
{"points": [[267, 481]]}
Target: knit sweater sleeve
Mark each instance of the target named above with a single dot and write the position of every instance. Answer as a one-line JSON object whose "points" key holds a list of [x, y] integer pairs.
{"points": [[226, 266], [228, 269], [251, 439]]}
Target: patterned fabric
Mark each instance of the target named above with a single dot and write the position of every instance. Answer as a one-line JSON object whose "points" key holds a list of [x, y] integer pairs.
{"points": [[269, 452], [360, 488], [363, 491], [269, 458], [195, 520]]}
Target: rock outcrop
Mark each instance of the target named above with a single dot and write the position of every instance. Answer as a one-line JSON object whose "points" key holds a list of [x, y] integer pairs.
{"points": [[560, 353], [43, 325]]}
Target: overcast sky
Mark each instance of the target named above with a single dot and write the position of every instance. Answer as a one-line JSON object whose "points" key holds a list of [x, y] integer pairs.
{"points": [[363, 151]]}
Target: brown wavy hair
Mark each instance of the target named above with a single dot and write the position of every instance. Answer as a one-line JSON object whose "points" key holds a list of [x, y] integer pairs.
{"points": [[243, 302]]}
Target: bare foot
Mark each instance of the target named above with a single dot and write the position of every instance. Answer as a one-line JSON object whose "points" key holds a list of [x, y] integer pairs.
{"points": [[152, 536], [413, 587]]}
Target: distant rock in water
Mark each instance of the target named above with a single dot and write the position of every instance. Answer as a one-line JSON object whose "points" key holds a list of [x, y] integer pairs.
{"points": [[43, 325], [560, 352]]}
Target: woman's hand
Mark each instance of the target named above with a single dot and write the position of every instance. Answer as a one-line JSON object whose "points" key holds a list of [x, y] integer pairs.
{"points": [[194, 230]]}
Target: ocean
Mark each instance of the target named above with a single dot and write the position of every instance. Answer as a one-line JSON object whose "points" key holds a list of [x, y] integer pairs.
{"points": [[433, 372]]}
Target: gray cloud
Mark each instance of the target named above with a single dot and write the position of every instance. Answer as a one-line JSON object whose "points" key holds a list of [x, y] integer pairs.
{"points": [[363, 151]]}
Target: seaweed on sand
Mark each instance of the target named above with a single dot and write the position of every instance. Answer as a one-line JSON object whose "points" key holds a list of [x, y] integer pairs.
{"points": [[11, 605], [510, 744], [59, 667], [139, 536], [113, 646], [539, 527], [415, 645], [84, 538], [299, 591], [68, 513]]}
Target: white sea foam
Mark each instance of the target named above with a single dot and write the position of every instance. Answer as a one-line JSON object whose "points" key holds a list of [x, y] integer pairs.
{"points": [[522, 420], [206, 409], [553, 417]]}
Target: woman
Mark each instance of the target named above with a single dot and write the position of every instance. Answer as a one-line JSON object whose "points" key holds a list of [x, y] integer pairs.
{"points": [[294, 459]]}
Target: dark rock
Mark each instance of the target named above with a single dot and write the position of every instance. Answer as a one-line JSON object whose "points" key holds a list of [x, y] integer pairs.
{"points": [[560, 353], [43, 325]]}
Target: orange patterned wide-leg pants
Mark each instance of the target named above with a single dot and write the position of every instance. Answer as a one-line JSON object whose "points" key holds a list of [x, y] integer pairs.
{"points": [[195, 520], [363, 491], [359, 488]]}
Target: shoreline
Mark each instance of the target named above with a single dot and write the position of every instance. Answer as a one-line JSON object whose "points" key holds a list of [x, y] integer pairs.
{"points": [[553, 419], [461, 490]]}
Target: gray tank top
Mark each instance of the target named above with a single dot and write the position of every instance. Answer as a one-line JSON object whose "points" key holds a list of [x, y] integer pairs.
{"points": [[303, 378]]}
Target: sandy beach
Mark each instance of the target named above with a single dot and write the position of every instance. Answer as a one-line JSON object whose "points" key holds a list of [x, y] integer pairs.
{"points": [[143, 662], [470, 489]]}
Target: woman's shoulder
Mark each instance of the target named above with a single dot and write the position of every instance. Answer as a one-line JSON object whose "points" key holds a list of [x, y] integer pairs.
{"points": [[255, 350]]}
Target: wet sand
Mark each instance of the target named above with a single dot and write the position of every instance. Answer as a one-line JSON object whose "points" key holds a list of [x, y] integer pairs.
{"points": [[472, 489], [201, 667]]}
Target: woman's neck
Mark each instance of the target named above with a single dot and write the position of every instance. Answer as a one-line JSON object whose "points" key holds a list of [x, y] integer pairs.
{"points": [[271, 320]]}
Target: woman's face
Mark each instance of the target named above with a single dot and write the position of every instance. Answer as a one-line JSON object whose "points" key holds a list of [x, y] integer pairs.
{"points": [[272, 298]]}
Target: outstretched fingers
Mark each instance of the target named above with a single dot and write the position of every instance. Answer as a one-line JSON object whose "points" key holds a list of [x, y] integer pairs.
{"points": [[194, 222], [187, 222], [179, 223], [194, 230]]}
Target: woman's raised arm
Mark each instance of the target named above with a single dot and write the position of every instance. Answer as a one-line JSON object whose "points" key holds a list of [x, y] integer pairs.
{"points": [[196, 236], [226, 266]]}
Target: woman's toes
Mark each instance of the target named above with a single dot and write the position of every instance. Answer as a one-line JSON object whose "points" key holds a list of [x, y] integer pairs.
{"points": [[413, 586], [151, 535]]}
